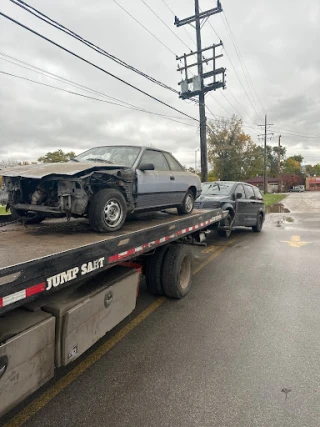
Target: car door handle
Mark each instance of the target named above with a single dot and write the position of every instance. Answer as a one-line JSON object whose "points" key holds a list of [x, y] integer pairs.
{"points": [[172, 177]]}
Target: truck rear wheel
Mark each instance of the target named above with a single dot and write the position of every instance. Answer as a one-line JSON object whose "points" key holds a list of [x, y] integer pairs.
{"points": [[108, 210], [153, 271], [177, 271]]}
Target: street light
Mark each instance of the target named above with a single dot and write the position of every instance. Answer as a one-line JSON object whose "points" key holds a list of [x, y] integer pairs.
{"points": [[195, 159]]}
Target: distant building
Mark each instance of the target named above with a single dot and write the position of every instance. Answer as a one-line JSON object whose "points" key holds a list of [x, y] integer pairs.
{"points": [[272, 187], [313, 183]]}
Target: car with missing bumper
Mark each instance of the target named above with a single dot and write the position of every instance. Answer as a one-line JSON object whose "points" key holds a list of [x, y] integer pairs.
{"points": [[103, 184], [244, 203]]}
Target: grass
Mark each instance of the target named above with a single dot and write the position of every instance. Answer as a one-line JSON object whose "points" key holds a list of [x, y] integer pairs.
{"points": [[271, 199], [3, 211]]}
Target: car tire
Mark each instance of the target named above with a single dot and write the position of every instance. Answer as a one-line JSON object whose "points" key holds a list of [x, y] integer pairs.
{"points": [[177, 271], [226, 222], [258, 227], [108, 210], [28, 218], [153, 271], [187, 204]]}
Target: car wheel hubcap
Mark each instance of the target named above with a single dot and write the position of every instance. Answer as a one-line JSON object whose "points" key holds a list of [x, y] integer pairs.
{"points": [[113, 213], [189, 203]]}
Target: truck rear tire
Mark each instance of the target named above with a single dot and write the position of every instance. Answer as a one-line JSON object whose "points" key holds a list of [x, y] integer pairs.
{"points": [[153, 271], [108, 210], [177, 271]]}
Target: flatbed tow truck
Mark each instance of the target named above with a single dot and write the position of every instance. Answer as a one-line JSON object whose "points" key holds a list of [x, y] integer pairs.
{"points": [[63, 287]]}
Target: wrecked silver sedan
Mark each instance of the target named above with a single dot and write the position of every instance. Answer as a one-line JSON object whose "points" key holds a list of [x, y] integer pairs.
{"points": [[103, 184]]}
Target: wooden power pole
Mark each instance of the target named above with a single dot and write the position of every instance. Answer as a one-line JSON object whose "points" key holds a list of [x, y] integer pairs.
{"points": [[199, 88], [265, 173]]}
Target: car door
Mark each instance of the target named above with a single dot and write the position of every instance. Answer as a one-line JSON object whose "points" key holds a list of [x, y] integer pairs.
{"points": [[241, 205], [252, 206], [182, 180], [155, 187]]}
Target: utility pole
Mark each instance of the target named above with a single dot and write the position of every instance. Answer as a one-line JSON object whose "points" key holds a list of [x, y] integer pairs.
{"points": [[265, 176], [279, 172], [199, 88], [279, 148]]}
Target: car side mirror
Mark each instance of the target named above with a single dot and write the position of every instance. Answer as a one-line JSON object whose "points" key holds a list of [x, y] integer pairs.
{"points": [[146, 167], [239, 195]]}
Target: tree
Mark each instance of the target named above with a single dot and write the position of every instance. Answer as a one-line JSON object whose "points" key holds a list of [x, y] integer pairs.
{"points": [[232, 153], [272, 159], [8, 163], [291, 166], [57, 156]]}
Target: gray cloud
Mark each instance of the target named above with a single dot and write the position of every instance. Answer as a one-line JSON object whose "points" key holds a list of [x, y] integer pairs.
{"points": [[276, 39]]}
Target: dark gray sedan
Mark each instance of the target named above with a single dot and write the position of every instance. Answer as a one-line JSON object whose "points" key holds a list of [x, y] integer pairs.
{"points": [[244, 203]]}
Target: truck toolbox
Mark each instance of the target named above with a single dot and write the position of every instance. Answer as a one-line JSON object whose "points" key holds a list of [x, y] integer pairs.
{"points": [[26, 355], [86, 313]]}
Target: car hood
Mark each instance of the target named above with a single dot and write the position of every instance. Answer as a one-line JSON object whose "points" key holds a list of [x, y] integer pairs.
{"points": [[64, 168], [208, 198]]}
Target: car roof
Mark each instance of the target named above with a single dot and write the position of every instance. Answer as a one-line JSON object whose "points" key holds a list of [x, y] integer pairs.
{"points": [[227, 182], [132, 146]]}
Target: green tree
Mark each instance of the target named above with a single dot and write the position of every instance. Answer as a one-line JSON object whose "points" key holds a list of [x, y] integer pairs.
{"points": [[291, 166], [231, 151], [272, 160], [57, 156]]}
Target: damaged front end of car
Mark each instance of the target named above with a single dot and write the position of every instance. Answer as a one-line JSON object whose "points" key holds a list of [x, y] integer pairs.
{"points": [[57, 196]]}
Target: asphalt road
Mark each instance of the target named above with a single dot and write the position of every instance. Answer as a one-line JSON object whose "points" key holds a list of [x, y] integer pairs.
{"points": [[242, 349]]}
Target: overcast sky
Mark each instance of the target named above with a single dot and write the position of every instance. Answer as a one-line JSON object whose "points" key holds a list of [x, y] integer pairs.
{"points": [[277, 40]]}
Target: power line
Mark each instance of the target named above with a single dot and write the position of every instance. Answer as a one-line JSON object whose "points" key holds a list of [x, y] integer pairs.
{"points": [[95, 66], [150, 8], [234, 69], [53, 76], [93, 98], [242, 63], [35, 12], [169, 8], [145, 28]]}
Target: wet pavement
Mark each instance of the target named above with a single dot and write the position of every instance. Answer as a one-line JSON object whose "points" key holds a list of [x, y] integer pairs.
{"points": [[241, 350]]}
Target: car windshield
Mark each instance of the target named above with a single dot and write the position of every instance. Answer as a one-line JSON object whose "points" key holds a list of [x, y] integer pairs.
{"points": [[216, 188], [121, 155]]}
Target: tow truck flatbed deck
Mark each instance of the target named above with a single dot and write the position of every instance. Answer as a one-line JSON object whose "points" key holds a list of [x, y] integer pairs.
{"points": [[40, 259]]}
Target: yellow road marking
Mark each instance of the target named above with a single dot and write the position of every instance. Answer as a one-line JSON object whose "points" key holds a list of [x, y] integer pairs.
{"points": [[213, 256], [295, 242], [52, 392], [48, 395]]}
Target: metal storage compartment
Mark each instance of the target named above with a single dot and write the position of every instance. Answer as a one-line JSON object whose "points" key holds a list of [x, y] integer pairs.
{"points": [[23, 372], [86, 313]]}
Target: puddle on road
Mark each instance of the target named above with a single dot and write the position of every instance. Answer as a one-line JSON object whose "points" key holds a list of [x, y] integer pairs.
{"points": [[277, 208]]}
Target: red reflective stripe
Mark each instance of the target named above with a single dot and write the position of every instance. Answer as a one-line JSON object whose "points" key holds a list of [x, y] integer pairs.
{"points": [[1, 302], [123, 255], [35, 289]]}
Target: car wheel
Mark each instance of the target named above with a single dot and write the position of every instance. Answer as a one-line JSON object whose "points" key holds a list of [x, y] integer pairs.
{"points": [[187, 204], [226, 223], [108, 210], [26, 217], [258, 227]]}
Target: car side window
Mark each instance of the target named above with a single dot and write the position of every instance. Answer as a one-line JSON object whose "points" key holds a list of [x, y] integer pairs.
{"points": [[257, 193], [249, 192], [157, 159], [174, 165], [240, 189]]}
